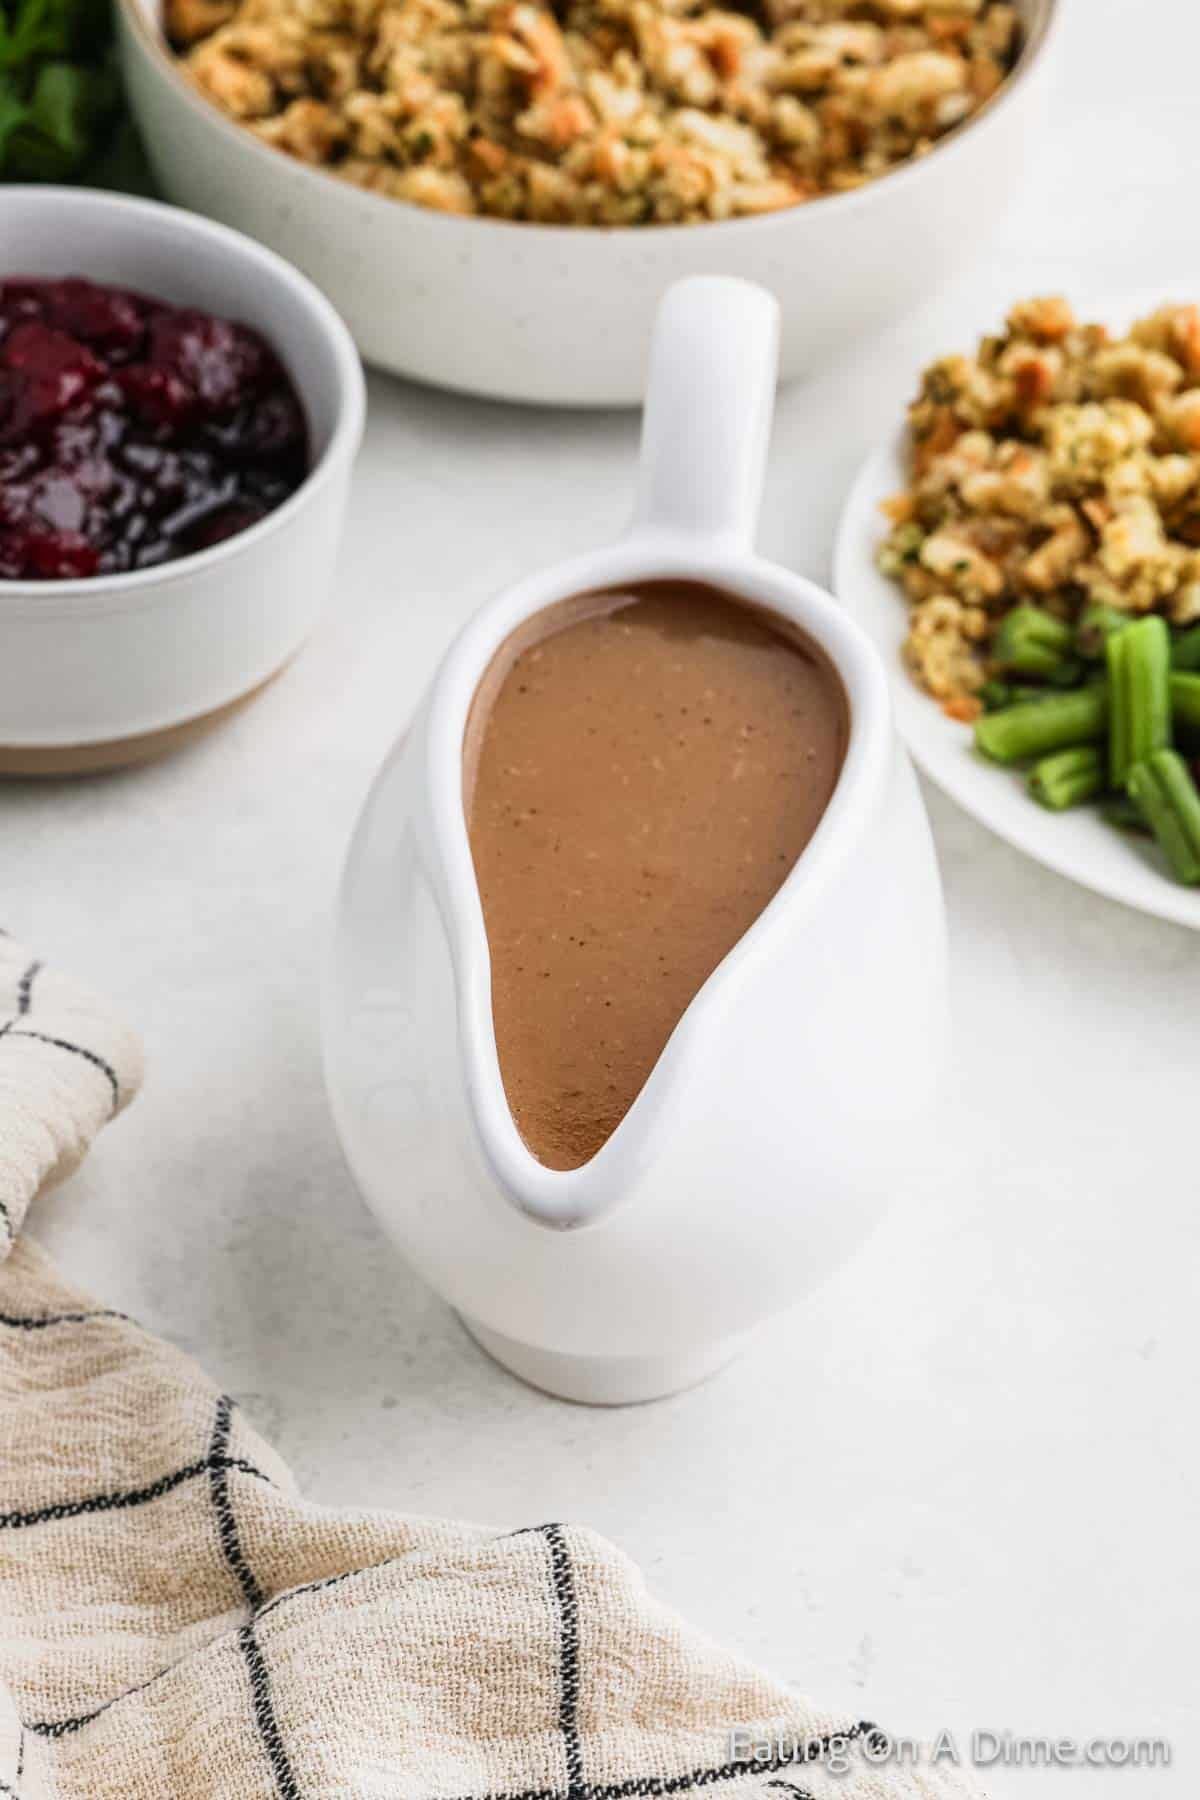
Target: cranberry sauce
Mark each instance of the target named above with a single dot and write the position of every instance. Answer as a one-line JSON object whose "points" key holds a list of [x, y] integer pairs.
{"points": [[132, 432]]}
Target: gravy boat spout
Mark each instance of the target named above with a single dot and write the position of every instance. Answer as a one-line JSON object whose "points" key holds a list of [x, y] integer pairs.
{"points": [[792, 1098]]}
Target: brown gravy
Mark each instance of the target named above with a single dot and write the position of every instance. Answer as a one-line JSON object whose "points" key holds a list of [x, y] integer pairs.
{"points": [[642, 769]]}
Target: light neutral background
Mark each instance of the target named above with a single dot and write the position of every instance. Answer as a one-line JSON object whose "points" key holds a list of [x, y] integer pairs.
{"points": [[961, 1486]]}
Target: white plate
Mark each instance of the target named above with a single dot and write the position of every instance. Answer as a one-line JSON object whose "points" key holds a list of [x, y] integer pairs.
{"points": [[1077, 844]]}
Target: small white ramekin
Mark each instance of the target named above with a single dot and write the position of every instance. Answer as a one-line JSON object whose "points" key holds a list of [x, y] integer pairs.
{"points": [[118, 668]]}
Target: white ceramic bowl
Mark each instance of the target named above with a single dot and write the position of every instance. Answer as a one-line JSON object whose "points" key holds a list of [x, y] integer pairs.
{"points": [[562, 315], [114, 669]]}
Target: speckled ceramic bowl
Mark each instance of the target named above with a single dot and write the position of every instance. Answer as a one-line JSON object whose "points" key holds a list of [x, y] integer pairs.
{"points": [[562, 315]]}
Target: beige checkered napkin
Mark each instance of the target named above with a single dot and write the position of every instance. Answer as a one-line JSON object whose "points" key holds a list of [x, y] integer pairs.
{"points": [[177, 1623]]}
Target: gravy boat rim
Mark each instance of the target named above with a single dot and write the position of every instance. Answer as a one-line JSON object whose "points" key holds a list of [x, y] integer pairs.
{"points": [[570, 1198]]}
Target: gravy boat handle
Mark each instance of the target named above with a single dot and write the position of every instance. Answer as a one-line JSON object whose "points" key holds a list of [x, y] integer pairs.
{"points": [[710, 395]]}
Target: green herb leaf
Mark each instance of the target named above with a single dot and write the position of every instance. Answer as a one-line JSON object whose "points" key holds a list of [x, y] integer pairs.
{"points": [[13, 113], [58, 89]]}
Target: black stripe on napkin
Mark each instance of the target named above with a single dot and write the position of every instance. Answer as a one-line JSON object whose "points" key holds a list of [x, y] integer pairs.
{"points": [[24, 997], [562, 1577], [40, 1321], [286, 1785], [25, 988], [97, 1062], [227, 1531], [122, 1501]]}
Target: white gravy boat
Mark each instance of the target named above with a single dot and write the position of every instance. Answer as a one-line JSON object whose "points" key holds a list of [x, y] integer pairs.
{"points": [[794, 1098]]}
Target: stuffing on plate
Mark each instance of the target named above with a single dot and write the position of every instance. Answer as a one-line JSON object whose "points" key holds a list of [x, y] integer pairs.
{"points": [[599, 112], [1057, 467]]}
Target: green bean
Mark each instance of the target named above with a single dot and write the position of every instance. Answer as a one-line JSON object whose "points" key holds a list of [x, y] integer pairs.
{"points": [[1121, 812], [996, 694], [1185, 704], [1096, 625], [1033, 624], [1185, 649], [1139, 669], [1031, 641], [1036, 727], [1068, 778], [1163, 790]]}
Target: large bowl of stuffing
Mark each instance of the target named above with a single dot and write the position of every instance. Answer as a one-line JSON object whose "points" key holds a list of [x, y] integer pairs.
{"points": [[496, 193]]}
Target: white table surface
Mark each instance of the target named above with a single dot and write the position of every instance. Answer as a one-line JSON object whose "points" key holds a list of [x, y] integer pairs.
{"points": [[960, 1486]]}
